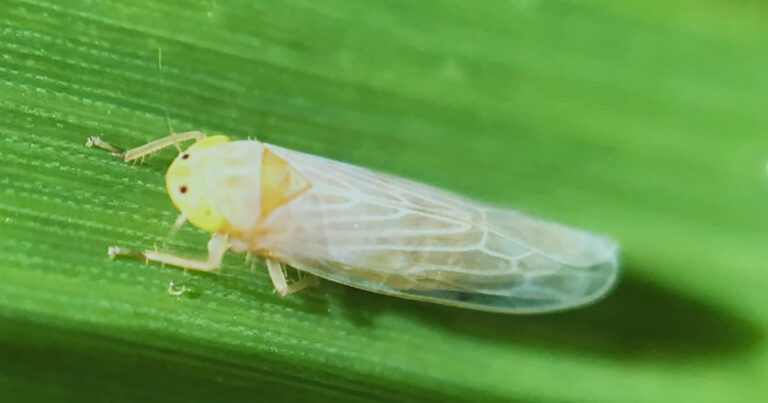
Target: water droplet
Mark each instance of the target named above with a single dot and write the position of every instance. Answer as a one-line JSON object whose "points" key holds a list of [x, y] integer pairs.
{"points": [[176, 289], [182, 289]]}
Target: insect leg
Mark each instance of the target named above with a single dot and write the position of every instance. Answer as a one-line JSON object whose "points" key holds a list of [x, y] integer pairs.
{"points": [[147, 149], [216, 248], [277, 275]]}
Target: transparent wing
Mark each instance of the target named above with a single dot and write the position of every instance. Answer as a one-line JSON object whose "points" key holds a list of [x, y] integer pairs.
{"points": [[389, 235]]}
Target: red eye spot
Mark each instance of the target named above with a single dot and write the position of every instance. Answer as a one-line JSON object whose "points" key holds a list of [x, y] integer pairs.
{"points": [[183, 189], [185, 156]]}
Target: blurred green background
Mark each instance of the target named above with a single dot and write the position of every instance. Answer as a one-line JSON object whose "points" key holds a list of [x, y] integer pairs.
{"points": [[645, 120]]}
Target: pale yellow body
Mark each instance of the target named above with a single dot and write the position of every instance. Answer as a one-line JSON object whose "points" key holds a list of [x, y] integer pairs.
{"points": [[378, 232]]}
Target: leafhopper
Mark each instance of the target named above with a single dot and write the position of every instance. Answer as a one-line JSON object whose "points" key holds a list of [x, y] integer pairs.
{"points": [[371, 230]]}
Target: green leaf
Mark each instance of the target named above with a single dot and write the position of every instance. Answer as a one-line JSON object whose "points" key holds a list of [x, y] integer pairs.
{"points": [[642, 120]]}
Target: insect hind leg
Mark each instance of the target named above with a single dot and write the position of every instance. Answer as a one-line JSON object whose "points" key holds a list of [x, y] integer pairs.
{"points": [[277, 273]]}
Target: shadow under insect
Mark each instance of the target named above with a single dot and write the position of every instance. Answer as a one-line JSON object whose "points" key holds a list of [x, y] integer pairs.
{"points": [[639, 319]]}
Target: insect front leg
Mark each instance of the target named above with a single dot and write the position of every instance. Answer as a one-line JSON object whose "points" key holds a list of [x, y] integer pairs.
{"points": [[217, 246], [277, 275], [147, 149]]}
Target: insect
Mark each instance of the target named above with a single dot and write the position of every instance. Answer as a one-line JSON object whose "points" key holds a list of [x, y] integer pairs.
{"points": [[371, 230]]}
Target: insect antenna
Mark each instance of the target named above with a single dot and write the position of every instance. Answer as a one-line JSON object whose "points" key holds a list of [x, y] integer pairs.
{"points": [[180, 220], [163, 93]]}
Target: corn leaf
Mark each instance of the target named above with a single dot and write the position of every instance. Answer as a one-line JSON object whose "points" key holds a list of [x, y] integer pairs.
{"points": [[644, 120]]}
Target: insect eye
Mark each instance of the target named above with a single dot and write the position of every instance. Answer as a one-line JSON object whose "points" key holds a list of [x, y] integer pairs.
{"points": [[183, 189], [185, 156]]}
